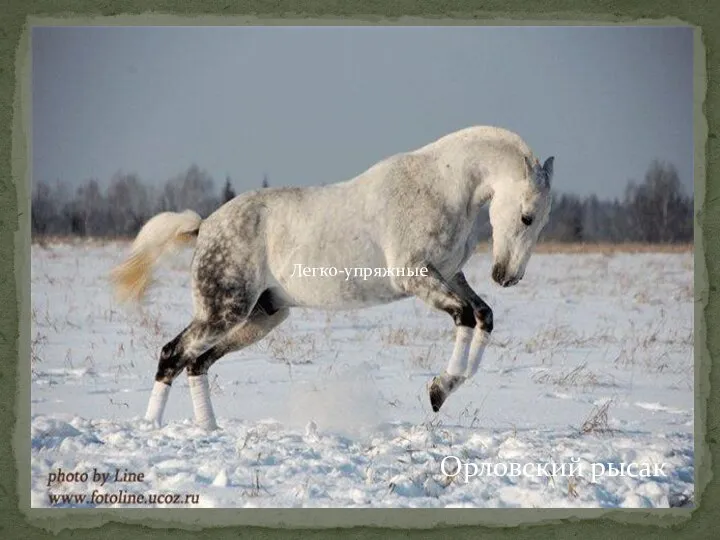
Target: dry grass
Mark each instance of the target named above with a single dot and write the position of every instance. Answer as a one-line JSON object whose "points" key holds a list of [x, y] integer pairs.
{"points": [[426, 361], [578, 376], [47, 241], [255, 488], [597, 420], [290, 349], [551, 337], [396, 336], [36, 346]]}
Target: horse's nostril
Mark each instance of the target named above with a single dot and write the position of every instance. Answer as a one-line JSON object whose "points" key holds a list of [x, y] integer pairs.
{"points": [[498, 274]]}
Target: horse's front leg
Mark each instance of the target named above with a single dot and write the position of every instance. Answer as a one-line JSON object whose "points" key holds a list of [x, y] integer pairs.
{"points": [[481, 336], [467, 313]]}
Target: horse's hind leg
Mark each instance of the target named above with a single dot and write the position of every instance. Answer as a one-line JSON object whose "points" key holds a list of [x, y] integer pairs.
{"points": [[466, 311], [175, 355], [263, 318], [245, 334]]}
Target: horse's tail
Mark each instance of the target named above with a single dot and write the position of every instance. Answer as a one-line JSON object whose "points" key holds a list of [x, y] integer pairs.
{"points": [[161, 233]]}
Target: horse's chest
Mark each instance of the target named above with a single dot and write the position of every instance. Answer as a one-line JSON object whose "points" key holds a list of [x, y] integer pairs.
{"points": [[453, 255]]}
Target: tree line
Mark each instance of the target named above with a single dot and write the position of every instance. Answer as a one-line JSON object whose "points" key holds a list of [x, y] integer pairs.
{"points": [[655, 210]]}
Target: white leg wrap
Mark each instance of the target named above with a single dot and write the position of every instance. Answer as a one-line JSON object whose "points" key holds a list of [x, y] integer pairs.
{"points": [[459, 359], [156, 405], [200, 394], [477, 348]]}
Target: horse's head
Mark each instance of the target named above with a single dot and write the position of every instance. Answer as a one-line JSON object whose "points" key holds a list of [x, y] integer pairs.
{"points": [[518, 212]]}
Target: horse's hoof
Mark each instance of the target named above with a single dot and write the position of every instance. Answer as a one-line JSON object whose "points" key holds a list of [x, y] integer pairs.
{"points": [[211, 426], [438, 395], [441, 387]]}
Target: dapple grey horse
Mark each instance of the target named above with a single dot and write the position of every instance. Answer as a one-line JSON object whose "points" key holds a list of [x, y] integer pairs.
{"points": [[405, 227]]}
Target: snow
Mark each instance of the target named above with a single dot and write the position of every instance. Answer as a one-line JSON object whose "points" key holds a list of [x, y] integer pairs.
{"points": [[591, 364]]}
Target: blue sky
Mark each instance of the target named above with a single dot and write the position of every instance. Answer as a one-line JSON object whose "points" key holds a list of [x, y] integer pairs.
{"points": [[311, 105]]}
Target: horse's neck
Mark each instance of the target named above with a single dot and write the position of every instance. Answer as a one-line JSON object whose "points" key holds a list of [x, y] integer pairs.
{"points": [[480, 177], [486, 178], [483, 161]]}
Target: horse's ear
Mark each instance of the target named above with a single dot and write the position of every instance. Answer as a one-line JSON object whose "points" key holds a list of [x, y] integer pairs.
{"points": [[548, 167], [530, 166]]}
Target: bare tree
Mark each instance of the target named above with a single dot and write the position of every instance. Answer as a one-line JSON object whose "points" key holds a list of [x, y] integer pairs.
{"points": [[49, 208], [129, 204], [228, 191], [566, 220], [658, 210], [193, 189], [91, 205], [43, 212]]}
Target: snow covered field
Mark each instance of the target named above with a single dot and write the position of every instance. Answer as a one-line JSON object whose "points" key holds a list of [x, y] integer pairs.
{"points": [[591, 361]]}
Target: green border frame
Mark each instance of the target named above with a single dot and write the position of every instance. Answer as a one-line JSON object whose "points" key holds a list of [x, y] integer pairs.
{"points": [[17, 520]]}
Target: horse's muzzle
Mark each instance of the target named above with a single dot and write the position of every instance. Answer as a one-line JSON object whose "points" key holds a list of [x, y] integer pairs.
{"points": [[499, 275]]}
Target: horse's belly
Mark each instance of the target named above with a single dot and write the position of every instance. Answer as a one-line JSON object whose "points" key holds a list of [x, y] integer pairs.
{"points": [[344, 290], [331, 265]]}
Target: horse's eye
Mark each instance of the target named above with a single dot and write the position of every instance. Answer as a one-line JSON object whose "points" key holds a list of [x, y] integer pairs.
{"points": [[527, 220]]}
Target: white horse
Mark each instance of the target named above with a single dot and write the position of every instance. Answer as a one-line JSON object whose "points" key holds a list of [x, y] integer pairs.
{"points": [[405, 227]]}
